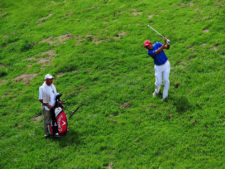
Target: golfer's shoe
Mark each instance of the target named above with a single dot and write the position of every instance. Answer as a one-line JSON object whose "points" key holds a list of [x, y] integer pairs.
{"points": [[154, 94], [165, 99]]}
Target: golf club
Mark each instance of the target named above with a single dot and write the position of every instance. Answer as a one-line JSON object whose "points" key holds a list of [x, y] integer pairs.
{"points": [[155, 31], [73, 112]]}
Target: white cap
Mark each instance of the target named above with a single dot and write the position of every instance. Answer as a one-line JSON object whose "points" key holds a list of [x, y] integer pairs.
{"points": [[48, 76]]}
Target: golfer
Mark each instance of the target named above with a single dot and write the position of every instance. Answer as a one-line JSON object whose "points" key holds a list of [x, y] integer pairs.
{"points": [[162, 65], [47, 94]]}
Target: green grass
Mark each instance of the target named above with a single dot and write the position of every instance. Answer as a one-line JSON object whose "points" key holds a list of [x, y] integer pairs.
{"points": [[103, 65]]}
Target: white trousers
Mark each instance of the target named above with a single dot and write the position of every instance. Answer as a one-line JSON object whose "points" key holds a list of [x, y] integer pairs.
{"points": [[162, 70]]}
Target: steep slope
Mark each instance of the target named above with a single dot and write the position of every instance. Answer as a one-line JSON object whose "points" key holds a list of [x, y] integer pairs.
{"points": [[95, 51]]}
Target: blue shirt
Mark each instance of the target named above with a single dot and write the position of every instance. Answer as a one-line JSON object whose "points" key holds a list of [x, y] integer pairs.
{"points": [[161, 57]]}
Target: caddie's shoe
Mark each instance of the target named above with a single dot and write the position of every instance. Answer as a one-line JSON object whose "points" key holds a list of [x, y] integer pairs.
{"points": [[57, 135], [47, 135]]}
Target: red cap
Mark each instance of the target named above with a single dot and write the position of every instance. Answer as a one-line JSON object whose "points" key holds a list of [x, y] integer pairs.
{"points": [[146, 43]]}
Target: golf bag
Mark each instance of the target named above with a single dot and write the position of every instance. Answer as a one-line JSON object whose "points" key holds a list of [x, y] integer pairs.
{"points": [[59, 120]]}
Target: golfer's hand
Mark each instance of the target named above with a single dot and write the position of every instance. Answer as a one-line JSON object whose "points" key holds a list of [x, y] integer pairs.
{"points": [[165, 40], [168, 42]]}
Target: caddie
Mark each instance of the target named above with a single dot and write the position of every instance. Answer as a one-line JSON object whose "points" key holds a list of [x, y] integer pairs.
{"points": [[162, 65], [47, 94]]}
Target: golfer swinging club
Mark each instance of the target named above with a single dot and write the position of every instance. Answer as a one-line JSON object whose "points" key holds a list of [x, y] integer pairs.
{"points": [[162, 65]]}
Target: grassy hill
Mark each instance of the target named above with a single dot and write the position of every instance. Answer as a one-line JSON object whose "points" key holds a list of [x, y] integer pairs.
{"points": [[94, 48]]}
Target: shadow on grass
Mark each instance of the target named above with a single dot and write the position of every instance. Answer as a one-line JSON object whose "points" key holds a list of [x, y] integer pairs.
{"points": [[71, 138], [181, 103]]}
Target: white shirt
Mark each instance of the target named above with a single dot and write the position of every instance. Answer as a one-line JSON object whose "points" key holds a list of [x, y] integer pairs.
{"points": [[51, 91]]}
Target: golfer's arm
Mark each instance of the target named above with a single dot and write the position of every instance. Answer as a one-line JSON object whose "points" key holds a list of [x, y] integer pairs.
{"points": [[160, 49]]}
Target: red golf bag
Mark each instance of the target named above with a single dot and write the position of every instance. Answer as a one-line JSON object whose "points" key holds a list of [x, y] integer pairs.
{"points": [[58, 126]]}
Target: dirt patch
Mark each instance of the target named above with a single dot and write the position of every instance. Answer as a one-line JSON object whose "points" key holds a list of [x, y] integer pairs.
{"points": [[105, 22], [64, 38], [203, 45], [36, 119], [91, 38], [197, 10], [123, 34], [182, 5], [214, 48], [206, 30], [25, 78], [150, 16], [48, 53], [29, 66], [2, 65], [220, 4], [79, 39], [110, 166], [125, 105], [96, 41], [135, 13], [192, 49], [68, 15], [112, 120], [45, 61], [30, 59], [118, 36], [191, 4], [49, 40], [60, 74], [170, 116], [45, 18], [58, 40]]}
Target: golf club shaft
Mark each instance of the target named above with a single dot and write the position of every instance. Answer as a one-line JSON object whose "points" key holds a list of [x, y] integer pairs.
{"points": [[73, 112], [155, 31]]}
